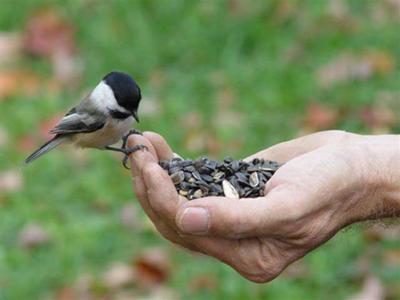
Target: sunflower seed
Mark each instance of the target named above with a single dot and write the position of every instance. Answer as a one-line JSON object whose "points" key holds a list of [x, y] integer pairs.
{"points": [[198, 193], [183, 192], [177, 177], [253, 180], [229, 190]]}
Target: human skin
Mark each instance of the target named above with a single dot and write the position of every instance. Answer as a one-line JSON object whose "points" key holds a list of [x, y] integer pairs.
{"points": [[328, 181]]}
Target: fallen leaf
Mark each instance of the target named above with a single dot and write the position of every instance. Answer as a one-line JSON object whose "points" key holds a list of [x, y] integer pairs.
{"points": [[67, 70], [83, 287], [10, 181], [372, 290], [27, 143], [347, 67], [152, 267], [129, 216], [378, 118], [10, 47], [66, 293], [391, 258], [238, 8], [285, 10], [158, 293], [319, 117], [382, 62], [195, 141], [47, 33], [18, 82], [344, 68], [118, 276], [338, 9], [204, 282], [32, 236], [47, 125], [381, 232]]}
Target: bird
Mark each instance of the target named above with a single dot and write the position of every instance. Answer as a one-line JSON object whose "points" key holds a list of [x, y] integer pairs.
{"points": [[104, 117]]}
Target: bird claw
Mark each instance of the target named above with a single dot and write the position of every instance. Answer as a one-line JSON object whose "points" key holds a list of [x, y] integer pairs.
{"points": [[128, 151], [125, 137]]}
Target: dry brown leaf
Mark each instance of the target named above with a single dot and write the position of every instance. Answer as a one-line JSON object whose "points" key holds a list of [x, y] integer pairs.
{"points": [[118, 276], [204, 282], [67, 70], [195, 140], [343, 68], [33, 235], [381, 62], [319, 117], [47, 33], [10, 47], [18, 82], [47, 125], [50, 36], [378, 118], [158, 293], [351, 67], [27, 143], [66, 293], [391, 257], [338, 9], [10, 181], [152, 267], [372, 290], [381, 232]]}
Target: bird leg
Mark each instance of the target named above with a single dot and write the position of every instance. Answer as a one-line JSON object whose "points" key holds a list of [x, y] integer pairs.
{"points": [[125, 137], [127, 150]]}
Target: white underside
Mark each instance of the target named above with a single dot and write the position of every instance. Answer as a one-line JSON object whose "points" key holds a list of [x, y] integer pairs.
{"points": [[111, 133]]}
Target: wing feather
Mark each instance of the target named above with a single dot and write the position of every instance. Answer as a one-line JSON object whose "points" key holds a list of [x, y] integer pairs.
{"points": [[76, 122]]}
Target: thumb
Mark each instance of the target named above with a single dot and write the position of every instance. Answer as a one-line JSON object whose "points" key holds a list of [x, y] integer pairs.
{"points": [[286, 151], [237, 218]]}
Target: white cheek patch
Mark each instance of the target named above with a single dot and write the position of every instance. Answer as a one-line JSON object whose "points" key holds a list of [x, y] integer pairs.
{"points": [[103, 96]]}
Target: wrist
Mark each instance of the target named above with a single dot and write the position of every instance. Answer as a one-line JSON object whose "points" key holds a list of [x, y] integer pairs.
{"points": [[380, 175]]}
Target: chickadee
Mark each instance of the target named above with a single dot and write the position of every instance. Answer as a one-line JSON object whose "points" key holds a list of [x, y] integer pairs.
{"points": [[101, 119]]}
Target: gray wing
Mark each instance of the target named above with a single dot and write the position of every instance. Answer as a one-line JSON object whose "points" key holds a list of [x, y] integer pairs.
{"points": [[76, 121]]}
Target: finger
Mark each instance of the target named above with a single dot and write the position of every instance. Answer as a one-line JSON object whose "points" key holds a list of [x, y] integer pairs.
{"points": [[161, 146], [165, 230], [141, 157], [238, 218], [286, 151], [161, 192]]}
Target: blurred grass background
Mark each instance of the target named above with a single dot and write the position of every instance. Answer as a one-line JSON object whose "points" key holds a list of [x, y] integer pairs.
{"points": [[218, 78]]}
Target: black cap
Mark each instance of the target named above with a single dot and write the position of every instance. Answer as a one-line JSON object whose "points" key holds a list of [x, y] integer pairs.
{"points": [[125, 89]]}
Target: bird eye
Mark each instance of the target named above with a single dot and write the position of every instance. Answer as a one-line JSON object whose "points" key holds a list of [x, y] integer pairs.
{"points": [[116, 114]]}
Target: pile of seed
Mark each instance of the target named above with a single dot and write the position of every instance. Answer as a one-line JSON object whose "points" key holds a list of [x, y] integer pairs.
{"points": [[230, 178]]}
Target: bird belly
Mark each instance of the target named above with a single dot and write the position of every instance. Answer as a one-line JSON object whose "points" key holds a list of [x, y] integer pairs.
{"points": [[110, 134]]}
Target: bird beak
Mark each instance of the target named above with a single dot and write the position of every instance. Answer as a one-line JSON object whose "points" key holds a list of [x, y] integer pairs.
{"points": [[134, 114]]}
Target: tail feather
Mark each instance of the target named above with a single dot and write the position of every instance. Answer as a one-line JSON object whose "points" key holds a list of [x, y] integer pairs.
{"points": [[53, 143]]}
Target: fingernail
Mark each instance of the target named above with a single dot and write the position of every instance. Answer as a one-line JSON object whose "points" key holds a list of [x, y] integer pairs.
{"points": [[194, 220]]}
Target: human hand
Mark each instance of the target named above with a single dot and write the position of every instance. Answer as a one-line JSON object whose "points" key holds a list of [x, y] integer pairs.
{"points": [[328, 180]]}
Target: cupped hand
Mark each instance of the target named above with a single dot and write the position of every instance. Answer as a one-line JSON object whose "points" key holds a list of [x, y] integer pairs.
{"points": [[326, 182]]}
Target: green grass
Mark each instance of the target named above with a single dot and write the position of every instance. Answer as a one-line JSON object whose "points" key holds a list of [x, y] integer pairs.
{"points": [[200, 49]]}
